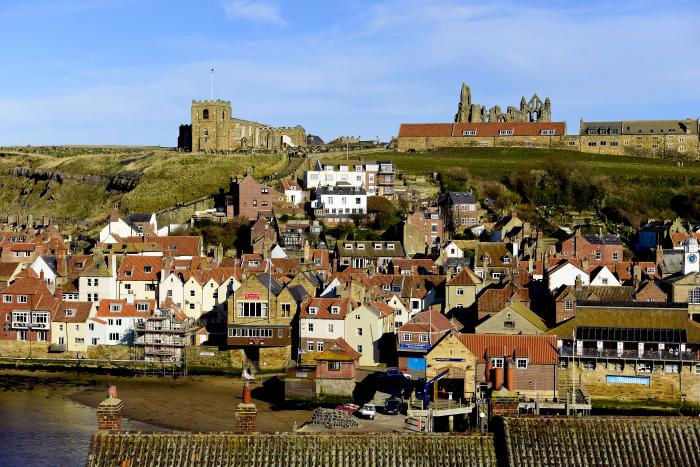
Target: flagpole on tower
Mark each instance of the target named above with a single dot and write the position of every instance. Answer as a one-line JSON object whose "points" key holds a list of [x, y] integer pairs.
{"points": [[211, 84]]}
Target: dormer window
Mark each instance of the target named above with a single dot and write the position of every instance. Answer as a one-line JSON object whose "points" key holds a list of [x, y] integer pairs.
{"points": [[386, 287], [78, 265], [506, 133], [469, 133], [377, 246], [142, 306], [360, 246], [335, 310], [115, 308], [127, 273], [506, 259], [147, 269], [547, 132], [348, 246], [313, 310], [390, 246], [70, 312]]}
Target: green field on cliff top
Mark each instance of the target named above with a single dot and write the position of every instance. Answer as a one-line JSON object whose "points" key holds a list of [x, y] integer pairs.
{"points": [[162, 178]]}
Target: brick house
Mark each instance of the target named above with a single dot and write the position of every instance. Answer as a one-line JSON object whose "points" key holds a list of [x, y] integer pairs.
{"points": [[596, 249], [335, 369], [423, 230], [249, 199], [368, 254], [26, 309], [534, 357]]}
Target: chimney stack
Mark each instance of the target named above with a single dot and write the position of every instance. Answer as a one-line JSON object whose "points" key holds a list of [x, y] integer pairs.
{"points": [[246, 413], [109, 412]]}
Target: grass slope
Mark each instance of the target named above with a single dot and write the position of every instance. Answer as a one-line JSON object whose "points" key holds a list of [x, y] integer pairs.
{"points": [[166, 178], [642, 185]]}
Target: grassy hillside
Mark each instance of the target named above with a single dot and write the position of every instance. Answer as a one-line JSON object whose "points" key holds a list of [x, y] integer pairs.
{"points": [[641, 186], [160, 179]]}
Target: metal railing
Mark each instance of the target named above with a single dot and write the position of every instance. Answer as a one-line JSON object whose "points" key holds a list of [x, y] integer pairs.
{"points": [[687, 355]]}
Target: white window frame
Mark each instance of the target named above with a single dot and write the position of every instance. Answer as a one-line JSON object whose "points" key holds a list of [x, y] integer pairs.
{"points": [[497, 362], [521, 363]]}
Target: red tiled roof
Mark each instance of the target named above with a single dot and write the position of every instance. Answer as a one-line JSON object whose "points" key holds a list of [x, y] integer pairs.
{"points": [[22, 247], [289, 184], [425, 129], [28, 286], [128, 310], [539, 349], [324, 306], [466, 277], [428, 321], [8, 269], [136, 266], [383, 309], [519, 128], [483, 129], [81, 312]]}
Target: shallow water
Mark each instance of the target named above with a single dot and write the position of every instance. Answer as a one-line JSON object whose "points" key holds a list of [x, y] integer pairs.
{"points": [[39, 426]]}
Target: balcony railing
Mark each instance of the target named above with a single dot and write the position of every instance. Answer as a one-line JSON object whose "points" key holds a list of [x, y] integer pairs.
{"points": [[687, 355]]}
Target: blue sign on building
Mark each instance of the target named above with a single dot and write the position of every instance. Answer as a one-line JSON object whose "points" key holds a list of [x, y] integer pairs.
{"points": [[615, 379], [403, 345]]}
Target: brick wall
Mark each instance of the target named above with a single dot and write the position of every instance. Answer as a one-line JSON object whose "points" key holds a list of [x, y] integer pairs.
{"points": [[246, 415]]}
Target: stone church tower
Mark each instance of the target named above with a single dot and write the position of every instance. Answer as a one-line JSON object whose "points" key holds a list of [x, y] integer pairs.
{"points": [[211, 125]]}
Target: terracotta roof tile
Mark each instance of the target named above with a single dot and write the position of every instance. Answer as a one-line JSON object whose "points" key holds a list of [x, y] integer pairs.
{"points": [[539, 349]]}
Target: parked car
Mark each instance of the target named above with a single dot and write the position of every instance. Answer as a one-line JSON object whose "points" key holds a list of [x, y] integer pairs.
{"points": [[368, 411], [392, 406], [396, 372], [350, 409]]}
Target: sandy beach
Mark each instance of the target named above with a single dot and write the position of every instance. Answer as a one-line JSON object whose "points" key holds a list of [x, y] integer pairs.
{"points": [[197, 403]]}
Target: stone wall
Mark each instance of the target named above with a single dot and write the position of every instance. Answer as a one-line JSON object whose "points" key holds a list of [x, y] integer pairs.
{"points": [[663, 387], [676, 146], [203, 359], [275, 358], [335, 387]]}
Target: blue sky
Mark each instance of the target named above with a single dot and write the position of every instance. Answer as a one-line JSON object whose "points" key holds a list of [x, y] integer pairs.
{"points": [[125, 71]]}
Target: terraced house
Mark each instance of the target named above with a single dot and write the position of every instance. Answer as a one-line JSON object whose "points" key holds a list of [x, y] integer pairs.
{"points": [[138, 276]]}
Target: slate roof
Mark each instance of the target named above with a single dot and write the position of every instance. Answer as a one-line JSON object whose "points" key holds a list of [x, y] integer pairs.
{"points": [[612, 441], [596, 239], [461, 197], [350, 249], [648, 316], [270, 283], [320, 449]]}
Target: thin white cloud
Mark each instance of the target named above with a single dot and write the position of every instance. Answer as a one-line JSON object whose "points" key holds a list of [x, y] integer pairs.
{"points": [[253, 10]]}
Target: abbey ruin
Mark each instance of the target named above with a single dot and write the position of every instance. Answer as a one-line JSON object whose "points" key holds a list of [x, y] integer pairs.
{"points": [[533, 110]]}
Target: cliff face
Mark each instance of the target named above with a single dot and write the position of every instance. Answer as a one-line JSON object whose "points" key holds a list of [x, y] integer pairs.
{"points": [[124, 181], [78, 186]]}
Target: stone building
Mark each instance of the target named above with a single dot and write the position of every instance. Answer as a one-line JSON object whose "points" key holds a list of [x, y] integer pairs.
{"points": [[428, 136], [660, 138], [214, 128]]}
